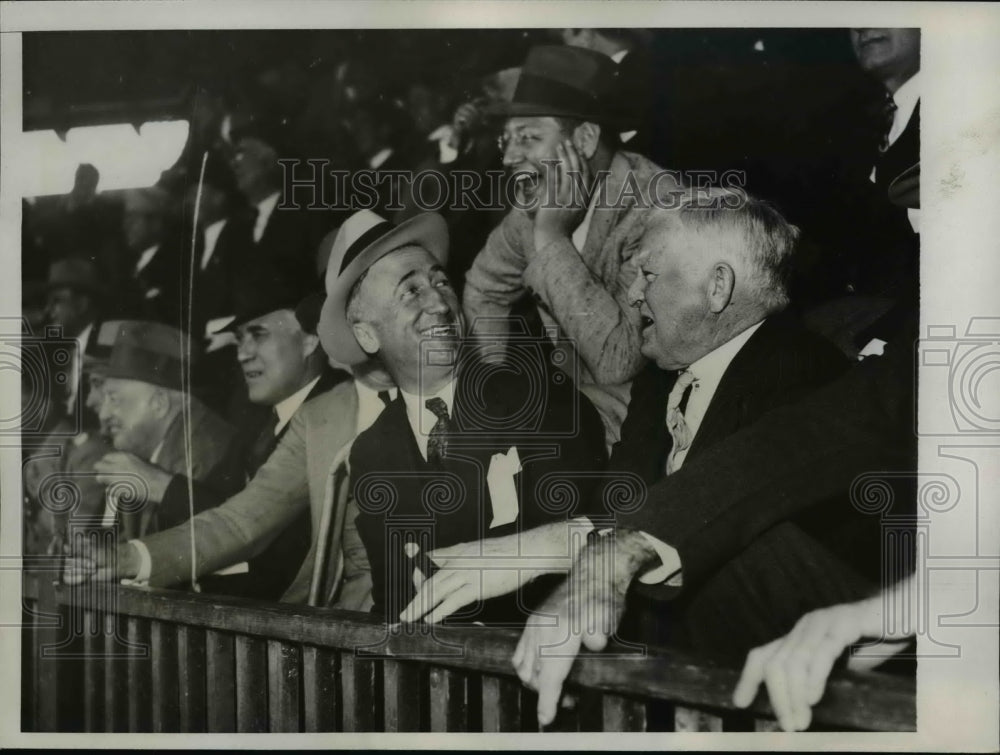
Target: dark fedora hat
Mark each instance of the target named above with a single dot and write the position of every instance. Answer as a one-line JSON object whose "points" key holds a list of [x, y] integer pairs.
{"points": [[267, 290], [563, 81], [99, 345], [76, 273], [361, 241], [150, 352]]}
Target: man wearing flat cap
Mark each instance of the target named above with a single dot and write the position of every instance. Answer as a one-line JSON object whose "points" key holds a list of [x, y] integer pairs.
{"points": [[152, 430], [467, 450], [571, 251]]}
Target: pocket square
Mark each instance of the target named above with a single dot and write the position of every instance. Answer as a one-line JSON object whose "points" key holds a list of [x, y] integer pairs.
{"points": [[503, 492]]}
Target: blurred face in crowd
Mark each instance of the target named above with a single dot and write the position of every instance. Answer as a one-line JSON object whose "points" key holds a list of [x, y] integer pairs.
{"points": [[525, 143], [274, 353], [214, 204], [255, 166], [95, 397], [133, 413], [406, 311], [672, 289], [69, 309], [891, 55], [142, 226]]}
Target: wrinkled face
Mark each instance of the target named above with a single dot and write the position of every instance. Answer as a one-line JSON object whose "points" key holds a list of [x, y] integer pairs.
{"points": [[671, 290], [69, 309], [409, 313], [887, 52], [274, 354], [525, 143], [130, 414], [254, 165]]}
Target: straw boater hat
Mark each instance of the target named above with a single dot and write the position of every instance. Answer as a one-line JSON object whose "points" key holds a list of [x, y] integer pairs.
{"points": [[363, 240]]}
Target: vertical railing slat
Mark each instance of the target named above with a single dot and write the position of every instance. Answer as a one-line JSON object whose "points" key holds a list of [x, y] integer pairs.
{"points": [[163, 642], [139, 675], [220, 681], [192, 687], [251, 684], [403, 694], [283, 686], [115, 675], [692, 719], [359, 679], [93, 672], [501, 704], [623, 714], [320, 689], [449, 700]]}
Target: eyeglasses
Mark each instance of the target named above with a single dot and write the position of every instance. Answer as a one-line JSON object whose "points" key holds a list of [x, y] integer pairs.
{"points": [[522, 140]]}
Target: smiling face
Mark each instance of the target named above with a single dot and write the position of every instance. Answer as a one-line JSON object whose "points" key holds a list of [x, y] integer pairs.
{"points": [[891, 55], [672, 290], [132, 413], [526, 143], [406, 311], [274, 353]]}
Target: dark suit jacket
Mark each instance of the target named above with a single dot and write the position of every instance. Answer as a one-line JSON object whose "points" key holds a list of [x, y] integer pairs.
{"points": [[401, 497], [289, 244], [787, 570], [761, 518]]}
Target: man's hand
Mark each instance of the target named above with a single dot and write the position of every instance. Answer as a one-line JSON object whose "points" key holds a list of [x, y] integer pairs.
{"points": [[121, 466], [795, 667], [483, 569], [99, 561], [564, 204], [585, 609]]}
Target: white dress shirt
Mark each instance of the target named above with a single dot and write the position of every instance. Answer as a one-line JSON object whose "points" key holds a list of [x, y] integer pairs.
{"points": [[906, 99], [212, 233], [370, 406], [75, 370], [289, 405], [264, 209], [708, 372], [377, 160], [422, 419], [145, 258]]}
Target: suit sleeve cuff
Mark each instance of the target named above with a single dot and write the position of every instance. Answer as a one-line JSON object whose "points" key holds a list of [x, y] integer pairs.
{"points": [[145, 563], [669, 570]]}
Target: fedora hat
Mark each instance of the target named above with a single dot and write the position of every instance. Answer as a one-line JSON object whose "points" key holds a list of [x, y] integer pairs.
{"points": [[266, 289], [146, 351], [99, 345], [75, 273], [563, 81], [361, 241]]}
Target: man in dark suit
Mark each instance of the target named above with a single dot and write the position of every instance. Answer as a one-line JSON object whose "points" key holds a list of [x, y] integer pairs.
{"points": [[463, 453], [808, 555]]}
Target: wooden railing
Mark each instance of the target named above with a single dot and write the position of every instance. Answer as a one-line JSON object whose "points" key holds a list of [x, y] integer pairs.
{"points": [[105, 658]]}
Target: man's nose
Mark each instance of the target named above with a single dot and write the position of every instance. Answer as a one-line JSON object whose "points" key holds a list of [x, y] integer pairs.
{"points": [[245, 350], [636, 292], [433, 301]]}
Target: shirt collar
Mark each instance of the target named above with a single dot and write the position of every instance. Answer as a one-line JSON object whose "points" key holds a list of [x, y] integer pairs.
{"points": [[212, 232], [83, 337], [906, 98], [370, 406], [288, 406], [378, 159], [146, 256], [714, 363], [619, 56], [266, 206]]}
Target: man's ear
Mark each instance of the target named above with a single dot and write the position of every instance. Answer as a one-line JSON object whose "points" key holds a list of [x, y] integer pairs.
{"points": [[586, 138], [366, 337], [720, 286], [310, 342]]}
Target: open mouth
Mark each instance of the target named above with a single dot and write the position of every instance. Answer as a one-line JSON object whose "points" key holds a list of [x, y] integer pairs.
{"points": [[252, 374], [870, 39], [525, 186], [449, 330]]}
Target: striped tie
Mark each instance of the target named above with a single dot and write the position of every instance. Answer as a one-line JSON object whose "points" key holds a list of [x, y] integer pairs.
{"points": [[680, 433]]}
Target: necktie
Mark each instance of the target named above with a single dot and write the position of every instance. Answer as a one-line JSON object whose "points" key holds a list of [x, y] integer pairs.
{"points": [[680, 433], [888, 114], [263, 445], [385, 397], [437, 440]]}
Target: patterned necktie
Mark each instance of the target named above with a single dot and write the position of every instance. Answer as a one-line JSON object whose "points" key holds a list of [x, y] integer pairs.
{"points": [[437, 440], [680, 433], [888, 115]]}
